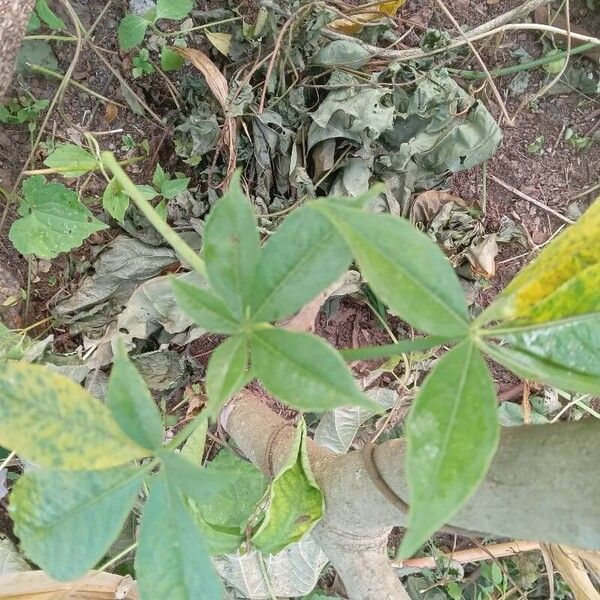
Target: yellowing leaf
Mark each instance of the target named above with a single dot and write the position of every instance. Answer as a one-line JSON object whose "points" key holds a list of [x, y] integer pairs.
{"points": [[295, 501], [221, 41], [562, 281], [375, 11], [54, 422]]}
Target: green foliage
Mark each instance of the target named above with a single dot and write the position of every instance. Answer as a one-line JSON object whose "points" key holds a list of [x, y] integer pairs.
{"points": [[295, 503], [45, 13], [53, 220], [173, 9], [142, 65], [71, 160], [22, 110]]}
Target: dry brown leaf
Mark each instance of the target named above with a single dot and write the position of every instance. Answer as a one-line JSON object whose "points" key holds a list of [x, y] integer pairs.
{"points": [[569, 564], [36, 585], [111, 112], [483, 257], [428, 204], [373, 11], [220, 88]]}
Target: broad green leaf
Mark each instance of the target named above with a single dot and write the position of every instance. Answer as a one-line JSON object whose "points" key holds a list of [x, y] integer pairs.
{"points": [[115, 201], [203, 308], [173, 9], [304, 371], [172, 560], [451, 437], [230, 248], [194, 481], [193, 449], [67, 520], [131, 403], [159, 176], [52, 421], [304, 256], [561, 281], [295, 502], [169, 60], [226, 371], [404, 268], [131, 32], [147, 191], [170, 188], [71, 160], [544, 366], [45, 13], [52, 220]]}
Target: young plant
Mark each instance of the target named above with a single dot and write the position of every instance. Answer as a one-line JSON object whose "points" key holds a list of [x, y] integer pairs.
{"points": [[142, 65]]}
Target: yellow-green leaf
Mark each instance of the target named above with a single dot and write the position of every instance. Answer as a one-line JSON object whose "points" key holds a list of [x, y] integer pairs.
{"points": [[221, 41], [562, 281], [295, 501], [52, 421]]}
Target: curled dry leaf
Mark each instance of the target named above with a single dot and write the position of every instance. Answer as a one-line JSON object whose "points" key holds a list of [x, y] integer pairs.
{"points": [[371, 12], [220, 88], [428, 204]]}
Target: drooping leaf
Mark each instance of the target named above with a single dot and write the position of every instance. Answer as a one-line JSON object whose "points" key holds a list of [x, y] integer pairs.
{"points": [[35, 52], [562, 281], [45, 13], [67, 520], [303, 257], [71, 160], [54, 422], [452, 434], [404, 268], [223, 517], [226, 371], [172, 559], [295, 502], [131, 404], [52, 220], [115, 201], [132, 30], [192, 480], [304, 371], [173, 9], [203, 308], [231, 248]]}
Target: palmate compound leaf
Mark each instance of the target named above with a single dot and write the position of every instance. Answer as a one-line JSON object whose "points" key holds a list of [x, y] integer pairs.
{"points": [[295, 503], [172, 560], [404, 268], [50, 420], [230, 248], [451, 436], [53, 220], [304, 371], [131, 403], [67, 520]]}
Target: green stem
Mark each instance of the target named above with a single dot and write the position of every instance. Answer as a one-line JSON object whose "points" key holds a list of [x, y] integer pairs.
{"points": [[198, 28], [532, 64], [174, 240], [401, 347], [56, 38]]}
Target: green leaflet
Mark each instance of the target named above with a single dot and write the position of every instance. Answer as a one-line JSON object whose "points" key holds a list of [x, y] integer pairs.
{"points": [[173, 9], [131, 32], [304, 371], [54, 422], [192, 480], [404, 268], [203, 308], [172, 559], [115, 201], [52, 219], [71, 160], [451, 437], [295, 501], [67, 520], [230, 248], [45, 14], [131, 403], [226, 372], [303, 257], [543, 367]]}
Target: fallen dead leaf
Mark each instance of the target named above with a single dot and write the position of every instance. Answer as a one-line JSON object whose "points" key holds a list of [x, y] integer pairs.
{"points": [[220, 88], [428, 204], [569, 563], [372, 12], [111, 112]]}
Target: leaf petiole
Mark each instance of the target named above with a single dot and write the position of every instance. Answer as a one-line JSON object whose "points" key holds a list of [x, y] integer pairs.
{"points": [[402, 347]]}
